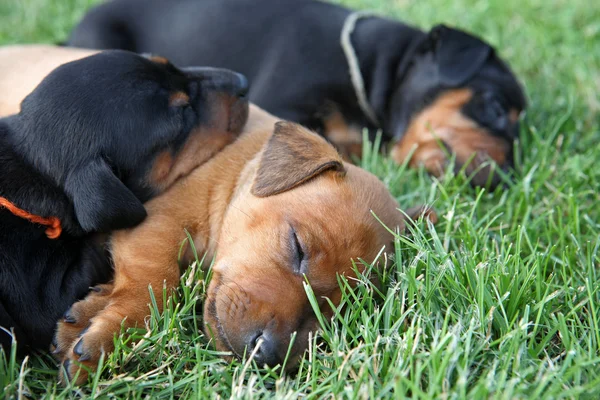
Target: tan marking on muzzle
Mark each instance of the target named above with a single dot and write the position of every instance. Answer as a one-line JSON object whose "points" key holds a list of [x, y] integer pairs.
{"points": [[443, 122]]}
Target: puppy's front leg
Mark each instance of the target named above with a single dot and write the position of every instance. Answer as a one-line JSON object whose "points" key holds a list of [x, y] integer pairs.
{"points": [[144, 257]]}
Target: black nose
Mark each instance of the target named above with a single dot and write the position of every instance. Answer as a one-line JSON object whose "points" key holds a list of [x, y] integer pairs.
{"points": [[265, 349], [219, 79]]}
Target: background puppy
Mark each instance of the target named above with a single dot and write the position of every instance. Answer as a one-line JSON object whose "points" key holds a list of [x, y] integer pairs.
{"points": [[431, 93], [92, 142], [276, 207]]}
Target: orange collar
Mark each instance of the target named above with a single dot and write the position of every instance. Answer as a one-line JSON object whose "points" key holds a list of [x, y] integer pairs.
{"points": [[54, 228]]}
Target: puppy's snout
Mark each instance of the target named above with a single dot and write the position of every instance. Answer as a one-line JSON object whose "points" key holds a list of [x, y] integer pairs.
{"points": [[219, 79], [264, 346], [243, 86]]}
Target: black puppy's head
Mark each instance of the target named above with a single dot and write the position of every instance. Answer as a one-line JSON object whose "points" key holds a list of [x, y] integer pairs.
{"points": [[116, 128], [455, 91]]}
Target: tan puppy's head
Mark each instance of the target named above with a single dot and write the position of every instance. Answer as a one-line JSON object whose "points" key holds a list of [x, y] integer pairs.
{"points": [[298, 212]]}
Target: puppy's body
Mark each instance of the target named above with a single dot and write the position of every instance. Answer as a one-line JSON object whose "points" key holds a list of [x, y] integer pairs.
{"points": [[276, 207], [40, 278], [291, 52], [93, 141]]}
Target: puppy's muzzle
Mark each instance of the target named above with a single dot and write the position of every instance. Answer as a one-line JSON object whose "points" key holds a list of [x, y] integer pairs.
{"points": [[222, 80], [227, 91], [264, 346]]}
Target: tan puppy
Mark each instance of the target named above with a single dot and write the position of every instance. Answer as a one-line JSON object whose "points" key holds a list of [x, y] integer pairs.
{"points": [[275, 206]]}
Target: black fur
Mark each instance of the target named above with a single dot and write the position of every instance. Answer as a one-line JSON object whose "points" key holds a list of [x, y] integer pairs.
{"points": [[81, 149], [290, 51]]}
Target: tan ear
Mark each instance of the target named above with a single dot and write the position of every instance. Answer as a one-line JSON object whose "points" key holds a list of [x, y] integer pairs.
{"points": [[293, 155]]}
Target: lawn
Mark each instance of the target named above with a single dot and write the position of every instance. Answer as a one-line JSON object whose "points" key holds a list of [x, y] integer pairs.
{"points": [[501, 299]]}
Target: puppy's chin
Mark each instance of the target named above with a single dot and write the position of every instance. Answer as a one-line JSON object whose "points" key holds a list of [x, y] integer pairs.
{"points": [[232, 316]]}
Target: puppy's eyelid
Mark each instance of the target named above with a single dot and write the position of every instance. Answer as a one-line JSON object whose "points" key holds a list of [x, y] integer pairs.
{"points": [[300, 258]]}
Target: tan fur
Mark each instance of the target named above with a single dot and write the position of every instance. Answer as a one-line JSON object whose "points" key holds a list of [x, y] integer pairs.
{"points": [[178, 99], [159, 60], [346, 138], [442, 122], [82, 312], [253, 283]]}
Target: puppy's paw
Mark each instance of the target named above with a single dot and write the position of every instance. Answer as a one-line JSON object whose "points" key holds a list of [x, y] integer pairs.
{"points": [[84, 353], [77, 318]]}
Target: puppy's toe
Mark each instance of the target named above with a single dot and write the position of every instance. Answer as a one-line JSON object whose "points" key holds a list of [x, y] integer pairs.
{"points": [[85, 352], [77, 319], [75, 373]]}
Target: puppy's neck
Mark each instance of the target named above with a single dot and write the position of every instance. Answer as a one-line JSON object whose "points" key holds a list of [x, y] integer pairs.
{"points": [[222, 178], [384, 49], [28, 189]]}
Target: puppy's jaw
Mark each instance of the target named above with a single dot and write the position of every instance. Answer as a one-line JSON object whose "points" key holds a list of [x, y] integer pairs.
{"points": [[202, 144], [228, 116], [443, 125], [228, 113], [238, 115], [233, 316]]}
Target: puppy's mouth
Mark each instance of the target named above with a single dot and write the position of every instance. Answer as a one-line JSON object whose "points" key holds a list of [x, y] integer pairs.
{"points": [[222, 340], [483, 156]]}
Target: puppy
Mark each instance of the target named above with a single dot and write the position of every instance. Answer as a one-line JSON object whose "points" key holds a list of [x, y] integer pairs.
{"points": [[336, 71], [276, 207], [97, 138]]}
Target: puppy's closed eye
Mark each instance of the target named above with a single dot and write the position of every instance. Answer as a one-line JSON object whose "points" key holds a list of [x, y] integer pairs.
{"points": [[299, 256]]}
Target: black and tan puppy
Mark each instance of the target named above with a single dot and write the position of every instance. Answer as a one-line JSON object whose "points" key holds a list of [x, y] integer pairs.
{"points": [[96, 138], [433, 93]]}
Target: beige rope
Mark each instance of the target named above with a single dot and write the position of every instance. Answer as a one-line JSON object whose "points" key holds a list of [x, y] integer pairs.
{"points": [[355, 75]]}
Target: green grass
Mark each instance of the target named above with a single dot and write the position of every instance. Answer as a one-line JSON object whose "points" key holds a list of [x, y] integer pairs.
{"points": [[501, 299]]}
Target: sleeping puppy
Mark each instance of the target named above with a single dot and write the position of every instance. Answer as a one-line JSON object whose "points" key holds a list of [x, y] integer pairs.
{"points": [[434, 93], [276, 207], [97, 138]]}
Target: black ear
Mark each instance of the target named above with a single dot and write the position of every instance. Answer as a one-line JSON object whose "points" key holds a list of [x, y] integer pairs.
{"points": [[102, 202], [459, 55]]}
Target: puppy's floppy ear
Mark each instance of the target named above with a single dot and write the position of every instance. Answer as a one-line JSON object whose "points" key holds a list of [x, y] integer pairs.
{"points": [[459, 54], [102, 202], [292, 156]]}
